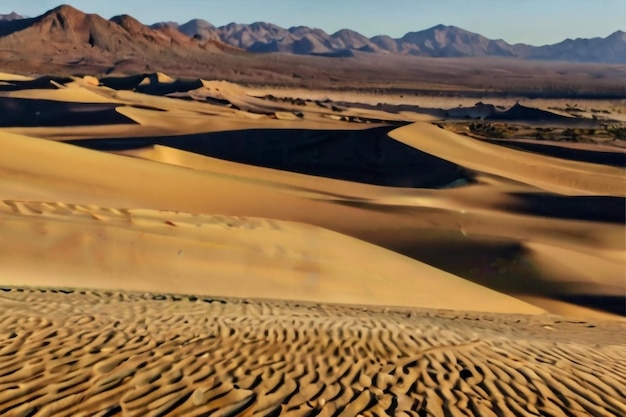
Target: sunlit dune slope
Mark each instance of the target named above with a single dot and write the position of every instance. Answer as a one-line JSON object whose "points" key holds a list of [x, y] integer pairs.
{"points": [[552, 174], [59, 245], [4, 76]]}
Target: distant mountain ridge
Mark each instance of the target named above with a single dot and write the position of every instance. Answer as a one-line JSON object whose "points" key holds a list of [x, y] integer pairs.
{"points": [[438, 41], [123, 35], [66, 30], [11, 16]]}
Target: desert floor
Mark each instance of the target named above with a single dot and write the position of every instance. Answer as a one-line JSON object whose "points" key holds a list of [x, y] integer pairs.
{"points": [[192, 247], [69, 353]]}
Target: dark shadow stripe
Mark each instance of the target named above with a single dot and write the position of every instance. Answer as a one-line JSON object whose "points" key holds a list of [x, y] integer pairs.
{"points": [[617, 159], [367, 156], [606, 209], [610, 304], [17, 112]]}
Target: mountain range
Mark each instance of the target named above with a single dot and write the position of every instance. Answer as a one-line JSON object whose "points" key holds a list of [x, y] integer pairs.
{"points": [[68, 30], [11, 16], [438, 41]]}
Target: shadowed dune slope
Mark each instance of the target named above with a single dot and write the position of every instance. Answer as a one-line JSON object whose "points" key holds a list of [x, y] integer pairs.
{"points": [[552, 174], [43, 113], [530, 114], [616, 158], [368, 155], [605, 209]]}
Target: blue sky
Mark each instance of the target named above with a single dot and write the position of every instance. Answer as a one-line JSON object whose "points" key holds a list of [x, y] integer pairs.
{"points": [[530, 21]]}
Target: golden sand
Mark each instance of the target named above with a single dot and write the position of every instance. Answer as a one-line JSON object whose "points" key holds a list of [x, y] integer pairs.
{"points": [[68, 353], [55, 244], [427, 285]]}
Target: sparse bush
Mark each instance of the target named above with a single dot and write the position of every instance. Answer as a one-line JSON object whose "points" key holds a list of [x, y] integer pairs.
{"points": [[486, 129], [618, 132], [571, 134]]}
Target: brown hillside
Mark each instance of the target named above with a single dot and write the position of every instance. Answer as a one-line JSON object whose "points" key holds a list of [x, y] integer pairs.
{"points": [[66, 32]]}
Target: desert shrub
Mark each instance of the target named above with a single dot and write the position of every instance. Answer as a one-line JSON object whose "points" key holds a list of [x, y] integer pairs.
{"points": [[571, 134], [486, 129], [618, 132]]}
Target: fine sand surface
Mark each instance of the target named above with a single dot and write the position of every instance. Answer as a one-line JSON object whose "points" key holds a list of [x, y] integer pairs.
{"points": [[221, 256], [372, 262], [69, 353]]}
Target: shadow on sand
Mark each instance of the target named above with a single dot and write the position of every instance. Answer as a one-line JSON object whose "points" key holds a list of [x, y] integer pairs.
{"points": [[617, 159], [366, 156], [17, 112]]}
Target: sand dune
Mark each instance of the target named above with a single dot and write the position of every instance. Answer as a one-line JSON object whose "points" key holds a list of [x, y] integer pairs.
{"points": [[75, 94], [367, 155], [13, 77], [87, 352], [427, 225], [221, 256], [377, 267], [584, 152], [552, 174], [154, 115]]}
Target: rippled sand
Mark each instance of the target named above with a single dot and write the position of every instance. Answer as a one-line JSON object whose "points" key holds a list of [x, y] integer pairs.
{"points": [[71, 353]]}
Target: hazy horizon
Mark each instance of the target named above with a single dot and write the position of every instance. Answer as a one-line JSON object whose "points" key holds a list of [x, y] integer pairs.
{"points": [[514, 22]]}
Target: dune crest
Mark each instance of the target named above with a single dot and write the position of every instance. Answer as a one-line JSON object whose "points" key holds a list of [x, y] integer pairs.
{"points": [[4, 76], [159, 78], [552, 174]]}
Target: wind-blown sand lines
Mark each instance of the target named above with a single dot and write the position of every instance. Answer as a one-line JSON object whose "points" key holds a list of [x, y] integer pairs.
{"points": [[109, 353]]}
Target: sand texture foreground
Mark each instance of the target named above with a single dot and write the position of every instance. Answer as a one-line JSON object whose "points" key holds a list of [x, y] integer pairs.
{"points": [[74, 353]]}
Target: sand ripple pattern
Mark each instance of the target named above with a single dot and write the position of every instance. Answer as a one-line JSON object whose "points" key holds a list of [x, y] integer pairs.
{"points": [[86, 353]]}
